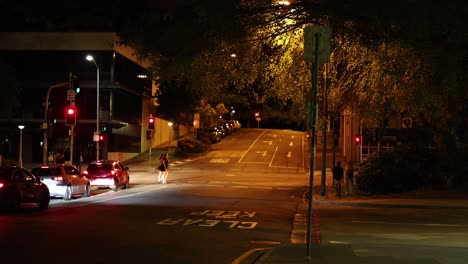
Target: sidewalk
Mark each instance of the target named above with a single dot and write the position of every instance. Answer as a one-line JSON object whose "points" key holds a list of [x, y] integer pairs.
{"points": [[296, 251]]}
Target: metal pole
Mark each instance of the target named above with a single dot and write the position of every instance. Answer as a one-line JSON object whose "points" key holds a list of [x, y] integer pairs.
{"points": [[72, 132], [314, 112], [46, 121], [21, 146], [324, 136], [150, 147], [97, 109]]}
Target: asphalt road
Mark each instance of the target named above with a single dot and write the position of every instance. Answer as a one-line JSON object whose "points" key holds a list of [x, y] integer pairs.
{"points": [[434, 234], [240, 197]]}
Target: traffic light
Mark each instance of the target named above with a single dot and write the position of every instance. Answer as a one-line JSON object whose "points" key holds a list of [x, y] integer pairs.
{"points": [[101, 137], [149, 134], [257, 114], [357, 139], [151, 123], [76, 84], [70, 116]]}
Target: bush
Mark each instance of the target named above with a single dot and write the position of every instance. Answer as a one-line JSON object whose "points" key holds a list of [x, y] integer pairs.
{"points": [[396, 171], [188, 145]]}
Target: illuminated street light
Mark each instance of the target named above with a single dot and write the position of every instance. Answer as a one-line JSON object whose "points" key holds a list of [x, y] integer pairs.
{"points": [[21, 127], [169, 144], [91, 58]]}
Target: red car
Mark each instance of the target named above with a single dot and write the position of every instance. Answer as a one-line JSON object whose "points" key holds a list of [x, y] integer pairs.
{"points": [[108, 173], [18, 186]]}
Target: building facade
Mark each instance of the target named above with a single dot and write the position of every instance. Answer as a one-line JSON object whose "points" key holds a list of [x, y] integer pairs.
{"points": [[38, 67]]}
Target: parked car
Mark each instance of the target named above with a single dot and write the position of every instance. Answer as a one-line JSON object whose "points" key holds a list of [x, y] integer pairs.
{"points": [[213, 134], [18, 186], [63, 180], [108, 173]]}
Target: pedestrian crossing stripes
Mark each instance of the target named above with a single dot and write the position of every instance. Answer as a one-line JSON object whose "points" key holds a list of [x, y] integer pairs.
{"points": [[219, 160]]}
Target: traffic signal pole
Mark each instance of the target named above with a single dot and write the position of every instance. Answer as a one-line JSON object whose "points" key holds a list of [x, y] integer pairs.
{"points": [[72, 128], [45, 124]]}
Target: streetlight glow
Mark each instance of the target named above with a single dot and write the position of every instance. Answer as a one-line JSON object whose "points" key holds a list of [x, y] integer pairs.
{"points": [[169, 143], [91, 58], [21, 127]]}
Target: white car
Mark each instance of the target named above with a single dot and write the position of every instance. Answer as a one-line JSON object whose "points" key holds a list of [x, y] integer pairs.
{"points": [[63, 180]]}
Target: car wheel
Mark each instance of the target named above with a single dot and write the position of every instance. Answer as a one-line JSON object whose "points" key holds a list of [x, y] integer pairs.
{"points": [[87, 191], [68, 193], [45, 200], [115, 187], [127, 183]]}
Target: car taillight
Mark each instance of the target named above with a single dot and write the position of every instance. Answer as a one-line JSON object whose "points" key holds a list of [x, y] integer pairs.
{"points": [[85, 172], [59, 178], [1, 185], [113, 172]]}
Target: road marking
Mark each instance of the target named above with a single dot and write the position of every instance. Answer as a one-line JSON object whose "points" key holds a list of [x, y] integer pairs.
{"points": [[251, 146], [289, 154], [242, 187], [338, 242], [268, 142], [263, 188], [291, 144], [417, 224], [199, 182], [247, 254], [265, 242], [236, 219], [263, 153], [106, 200], [219, 160]]}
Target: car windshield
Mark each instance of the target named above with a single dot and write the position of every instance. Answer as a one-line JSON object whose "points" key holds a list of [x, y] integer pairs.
{"points": [[99, 166], [46, 171]]}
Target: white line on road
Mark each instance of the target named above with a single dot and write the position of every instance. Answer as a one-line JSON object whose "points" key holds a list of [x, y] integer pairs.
{"points": [[109, 199], [400, 223]]}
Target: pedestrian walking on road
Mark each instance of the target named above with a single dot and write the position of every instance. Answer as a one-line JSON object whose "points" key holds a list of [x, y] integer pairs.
{"points": [[166, 168], [338, 178], [163, 168], [349, 187]]}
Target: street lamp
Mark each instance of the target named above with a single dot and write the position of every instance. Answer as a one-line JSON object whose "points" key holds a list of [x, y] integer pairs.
{"points": [[169, 144], [21, 127], [96, 134]]}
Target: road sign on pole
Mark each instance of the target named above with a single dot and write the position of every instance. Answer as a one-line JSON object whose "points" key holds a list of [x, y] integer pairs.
{"points": [[323, 36], [71, 95]]}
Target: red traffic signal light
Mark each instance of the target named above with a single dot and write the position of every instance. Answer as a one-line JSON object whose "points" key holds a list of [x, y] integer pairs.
{"points": [[101, 137], [357, 139], [151, 123], [70, 116], [257, 114]]}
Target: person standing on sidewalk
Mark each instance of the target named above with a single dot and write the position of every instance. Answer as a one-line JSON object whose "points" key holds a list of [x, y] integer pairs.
{"points": [[338, 178], [349, 185]]}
